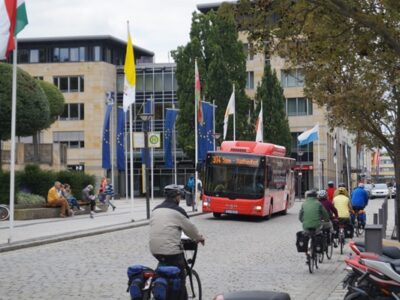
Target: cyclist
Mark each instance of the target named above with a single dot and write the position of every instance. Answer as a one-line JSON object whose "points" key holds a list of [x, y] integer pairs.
{"points": [[359, 200], [331, 210], [330, 190], [166, 225], [312, 212], [343, 205]]}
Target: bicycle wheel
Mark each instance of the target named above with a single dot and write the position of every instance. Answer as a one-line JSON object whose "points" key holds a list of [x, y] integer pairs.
{"points": [[359, 229], [193, 287], [315, 255], [4, 213], [341, 241], [310, 263], [329, 247]]}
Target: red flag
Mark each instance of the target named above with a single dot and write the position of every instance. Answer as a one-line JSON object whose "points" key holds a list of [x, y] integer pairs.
{"points": [[197, 95], [8, 13]]}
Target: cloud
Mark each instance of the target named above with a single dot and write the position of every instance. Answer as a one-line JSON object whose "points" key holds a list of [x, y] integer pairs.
{"points": [[156, 25]]}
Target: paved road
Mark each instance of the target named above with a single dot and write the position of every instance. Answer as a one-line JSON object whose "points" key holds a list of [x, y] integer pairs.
{"points": [[239, 254]]}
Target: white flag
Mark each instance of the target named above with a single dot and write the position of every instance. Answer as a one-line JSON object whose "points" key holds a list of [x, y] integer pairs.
{"points": [[259, 126], [230, 110]]}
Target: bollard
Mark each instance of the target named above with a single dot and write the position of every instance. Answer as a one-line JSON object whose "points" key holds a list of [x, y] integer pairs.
{"points": [[380, 217], [373, 238], [375, 218], [385, 215]]}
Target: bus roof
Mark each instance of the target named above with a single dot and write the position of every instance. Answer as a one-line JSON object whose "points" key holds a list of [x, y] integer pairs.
{"points": [[251, 147]]}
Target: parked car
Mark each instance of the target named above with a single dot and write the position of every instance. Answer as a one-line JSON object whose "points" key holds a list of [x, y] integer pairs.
{"points": [[379, 190], [368, 187]]}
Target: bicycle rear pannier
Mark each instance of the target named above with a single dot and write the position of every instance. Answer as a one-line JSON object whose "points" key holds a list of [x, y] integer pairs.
{"points": [[167, 284], [349, 231], [137, 281], [301, 241], [319, 243]]}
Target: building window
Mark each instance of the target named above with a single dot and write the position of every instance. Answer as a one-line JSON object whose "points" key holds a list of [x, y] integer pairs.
{"points": [[69, 84], [73, 112], [73, 139], [36, 55], [38, 77], [23, 56], [292, 78], [96, 53], [74, 54], [250, 80], [69, 54], [64, 54], [298, 107], [307, 150], [120, 83], [248, 51]]}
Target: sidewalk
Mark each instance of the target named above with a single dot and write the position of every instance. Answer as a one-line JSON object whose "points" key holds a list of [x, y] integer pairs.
{"points": [[37, 232]]}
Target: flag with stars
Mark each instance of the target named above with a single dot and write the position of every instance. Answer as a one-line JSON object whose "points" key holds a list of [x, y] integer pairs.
{"points": [[120, 139], [170, 117], [106, 161], [205, 131]]}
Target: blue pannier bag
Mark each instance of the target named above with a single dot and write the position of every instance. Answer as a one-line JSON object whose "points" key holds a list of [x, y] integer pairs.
{"points": [[167, 284], [136, 281]]}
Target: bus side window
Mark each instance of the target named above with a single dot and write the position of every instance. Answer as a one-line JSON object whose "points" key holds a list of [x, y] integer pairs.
{"points": [[269, 176]]}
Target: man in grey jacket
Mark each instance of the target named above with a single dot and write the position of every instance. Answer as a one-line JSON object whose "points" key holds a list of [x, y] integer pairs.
{"points": [[166, 225]]}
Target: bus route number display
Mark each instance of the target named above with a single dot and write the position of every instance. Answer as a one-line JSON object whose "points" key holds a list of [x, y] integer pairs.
{"points": [[223, 160]]}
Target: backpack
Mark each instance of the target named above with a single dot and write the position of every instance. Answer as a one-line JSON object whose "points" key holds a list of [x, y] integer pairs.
{"points": [[167, 284], [190, 183], [137, 281]]}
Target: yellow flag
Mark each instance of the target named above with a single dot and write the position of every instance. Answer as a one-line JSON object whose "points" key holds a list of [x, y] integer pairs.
{"points": [[130, 75]]}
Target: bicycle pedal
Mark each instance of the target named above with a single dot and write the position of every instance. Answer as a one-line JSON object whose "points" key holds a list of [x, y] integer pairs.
{"points": [[190, 261]]}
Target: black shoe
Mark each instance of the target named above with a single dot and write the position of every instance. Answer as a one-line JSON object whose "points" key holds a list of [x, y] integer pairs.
{"points": [[335, 245], [113, 208]]}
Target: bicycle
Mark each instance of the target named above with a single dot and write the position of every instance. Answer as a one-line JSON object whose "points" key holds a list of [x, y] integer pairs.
{"points": [[328, 244], [4, 212], [192, 278], [340, 234], [312, 255], [358, 227]]}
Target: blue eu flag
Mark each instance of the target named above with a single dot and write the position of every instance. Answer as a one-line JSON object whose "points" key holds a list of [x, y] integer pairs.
{"points": [[205, 132], [106, 160], [121, 139], [170, 117]]}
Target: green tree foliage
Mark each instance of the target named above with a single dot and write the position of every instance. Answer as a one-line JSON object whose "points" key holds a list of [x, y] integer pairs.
{"points": [[350, 53], [55, 98], [32, 105], [276, 126], [221, 61]]}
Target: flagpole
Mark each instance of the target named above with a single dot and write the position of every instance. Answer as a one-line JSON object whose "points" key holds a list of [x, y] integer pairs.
{"points": [[336, 165], [214, 124], [319, 160], [234, 113], [196, 142], [13, 132], [174, 140], [152, 150], [112, 140], [126, 156]]}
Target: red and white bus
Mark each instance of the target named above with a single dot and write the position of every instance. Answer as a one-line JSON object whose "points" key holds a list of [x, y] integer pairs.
{"points": [[248, 178]]}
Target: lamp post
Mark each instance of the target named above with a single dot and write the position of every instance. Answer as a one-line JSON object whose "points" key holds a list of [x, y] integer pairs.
{"points": [[146, 117], [299, 155], [322, 171], [216, 136]]}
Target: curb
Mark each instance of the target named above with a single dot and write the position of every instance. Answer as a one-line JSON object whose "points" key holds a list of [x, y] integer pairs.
{"points": [[76, 235]]}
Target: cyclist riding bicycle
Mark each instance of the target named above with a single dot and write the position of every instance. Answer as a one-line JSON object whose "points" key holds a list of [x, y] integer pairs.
{"points": [[341, 184], [342, 203], [331, 210], [312, 213], [330, 190], [166, 225], [359, 200]]}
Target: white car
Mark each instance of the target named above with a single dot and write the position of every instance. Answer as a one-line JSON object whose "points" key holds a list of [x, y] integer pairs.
{"points": [[379, 190]]}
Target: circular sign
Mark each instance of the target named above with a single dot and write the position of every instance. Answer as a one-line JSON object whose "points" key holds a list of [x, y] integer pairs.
{"points": [[154, 139]]}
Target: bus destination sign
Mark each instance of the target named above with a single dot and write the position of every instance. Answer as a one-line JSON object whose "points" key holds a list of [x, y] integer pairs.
{"points": [[225, 160]]}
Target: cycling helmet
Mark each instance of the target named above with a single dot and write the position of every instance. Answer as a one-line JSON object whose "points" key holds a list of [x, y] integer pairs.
{"points": [[330, 183], [311, 193], [342, 185], [322, 194], [342, 191], [173, 190], [361, 185]]}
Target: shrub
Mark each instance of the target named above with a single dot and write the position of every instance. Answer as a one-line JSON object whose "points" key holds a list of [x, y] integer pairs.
{"points": [[5, 185], [37, 181], [77, 181], [26, 199]]}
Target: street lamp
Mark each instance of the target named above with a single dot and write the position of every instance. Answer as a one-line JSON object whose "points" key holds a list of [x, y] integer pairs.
{"points": [[216, 136], [322, 171], [146, 117], [299, 155]]}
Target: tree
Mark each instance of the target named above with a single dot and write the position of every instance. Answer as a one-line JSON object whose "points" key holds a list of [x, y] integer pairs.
{"points": [[55, 98], [221, 61], [350, 54], [32, 105], [276, 126]]}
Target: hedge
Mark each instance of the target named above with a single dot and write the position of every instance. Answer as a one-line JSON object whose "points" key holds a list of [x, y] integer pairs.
{"points": [[33, 180]]}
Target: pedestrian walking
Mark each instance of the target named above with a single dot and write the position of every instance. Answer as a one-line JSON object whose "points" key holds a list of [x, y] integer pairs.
{"points": [[109, 193]]}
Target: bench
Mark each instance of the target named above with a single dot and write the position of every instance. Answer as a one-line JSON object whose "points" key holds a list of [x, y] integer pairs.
{"points": [[44, 212]]}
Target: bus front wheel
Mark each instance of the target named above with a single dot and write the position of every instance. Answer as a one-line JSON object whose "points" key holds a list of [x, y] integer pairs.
{"points": [[216, 215]]}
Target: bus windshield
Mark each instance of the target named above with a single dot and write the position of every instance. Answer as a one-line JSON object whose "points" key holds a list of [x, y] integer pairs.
{"points": [[234, 181]]}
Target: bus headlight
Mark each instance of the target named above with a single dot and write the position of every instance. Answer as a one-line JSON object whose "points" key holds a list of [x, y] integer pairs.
{"points": [[258, 208], [206, 201]]}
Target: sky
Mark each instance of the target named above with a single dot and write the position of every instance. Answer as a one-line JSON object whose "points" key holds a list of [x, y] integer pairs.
{"points": [[156, 25]]}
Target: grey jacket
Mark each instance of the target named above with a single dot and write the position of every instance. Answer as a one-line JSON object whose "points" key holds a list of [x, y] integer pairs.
{"points": [[166, 225]]}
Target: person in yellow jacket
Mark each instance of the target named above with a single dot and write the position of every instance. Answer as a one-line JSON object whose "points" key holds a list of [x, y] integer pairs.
{"points": [[343, 204], [55, 199]]}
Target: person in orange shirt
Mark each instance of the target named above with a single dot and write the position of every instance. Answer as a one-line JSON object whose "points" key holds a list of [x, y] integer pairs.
{"points": [[55, 199]]}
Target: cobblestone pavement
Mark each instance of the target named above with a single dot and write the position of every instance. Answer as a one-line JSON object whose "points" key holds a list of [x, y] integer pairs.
{"points": [[240, 253]]}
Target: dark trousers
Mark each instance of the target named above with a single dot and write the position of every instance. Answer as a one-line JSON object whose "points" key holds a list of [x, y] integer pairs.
{"points": [[177, 260]]}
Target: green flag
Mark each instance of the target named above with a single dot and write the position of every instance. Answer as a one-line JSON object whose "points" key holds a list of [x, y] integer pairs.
{"points": [[22, 18]]}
